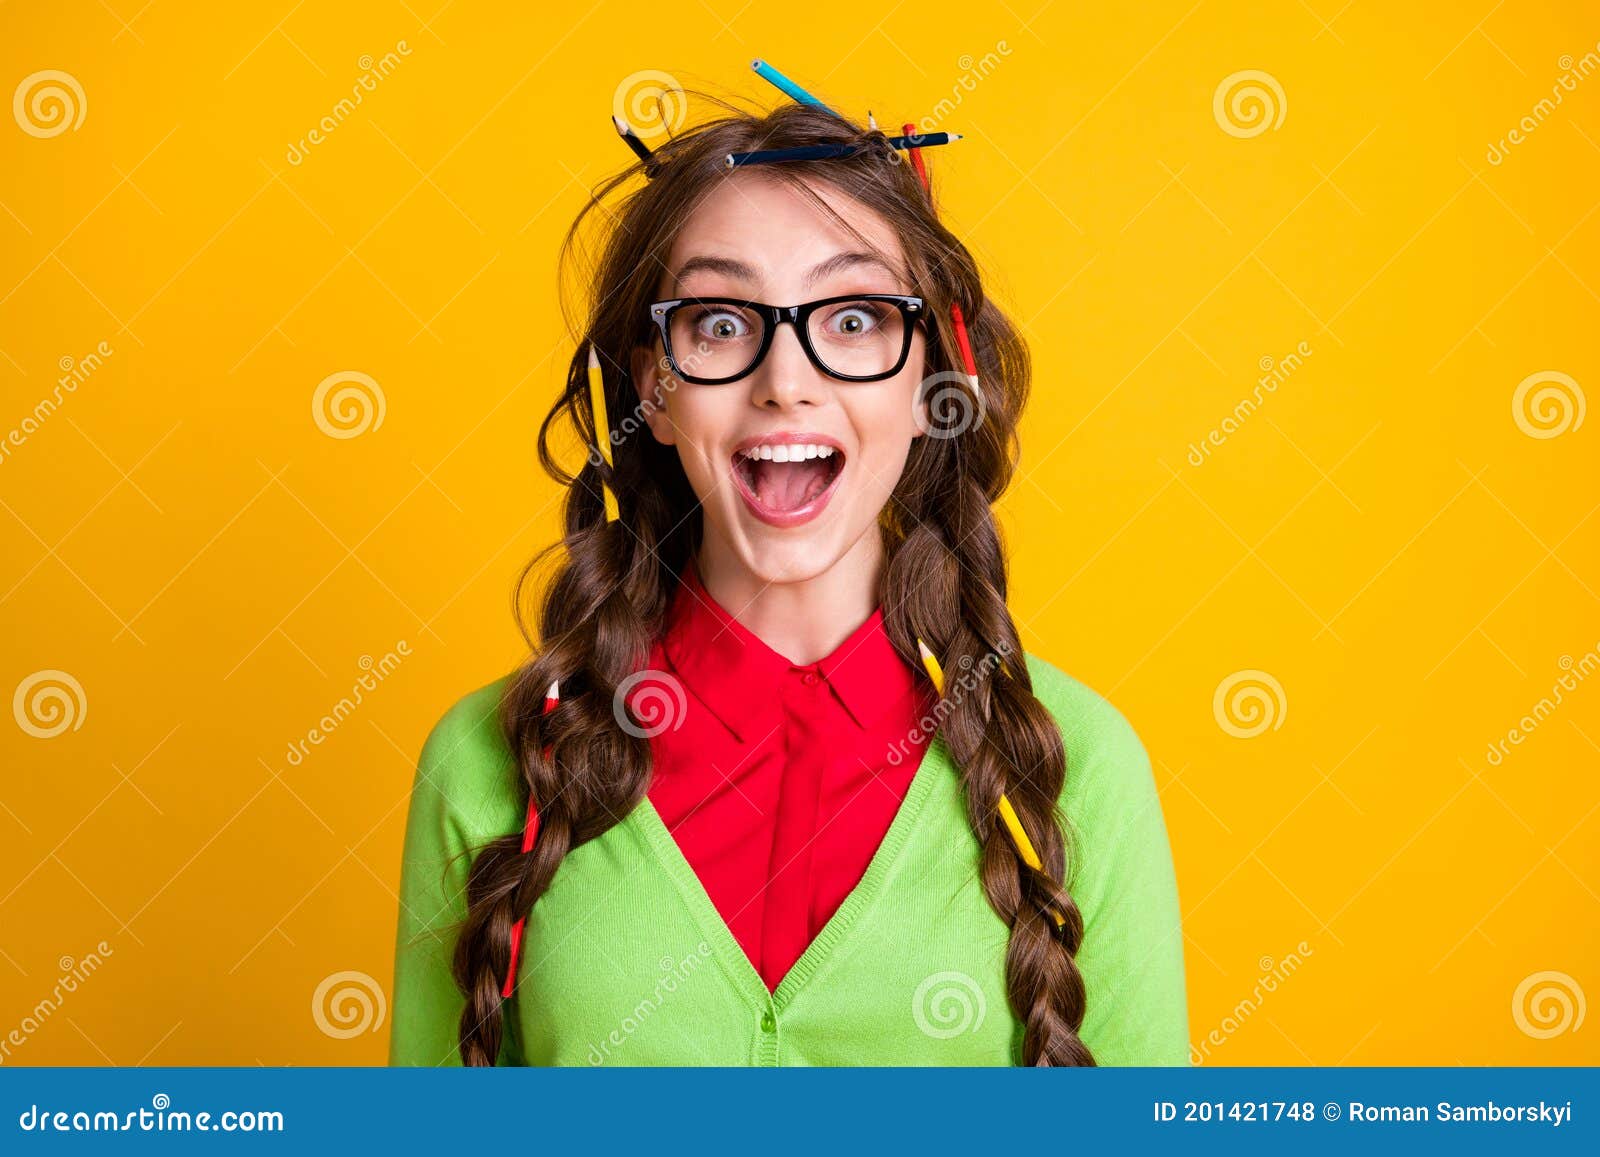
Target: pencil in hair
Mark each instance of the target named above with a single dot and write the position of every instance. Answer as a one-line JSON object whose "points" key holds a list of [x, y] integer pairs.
{"points": [[786, 86], [631, 139], [838, 149]]}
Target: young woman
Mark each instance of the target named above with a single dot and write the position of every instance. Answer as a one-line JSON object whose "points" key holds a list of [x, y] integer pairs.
{"points": [[766, 828]]}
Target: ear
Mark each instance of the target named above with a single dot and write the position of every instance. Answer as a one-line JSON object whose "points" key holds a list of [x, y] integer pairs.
{"points": [[654, 383]]}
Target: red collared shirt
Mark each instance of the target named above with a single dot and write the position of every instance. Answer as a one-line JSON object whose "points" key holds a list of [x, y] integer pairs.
{"points": [[782, 778]]}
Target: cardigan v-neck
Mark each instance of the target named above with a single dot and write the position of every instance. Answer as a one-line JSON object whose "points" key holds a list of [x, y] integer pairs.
{"points": [[626, 960], [777, 780]]}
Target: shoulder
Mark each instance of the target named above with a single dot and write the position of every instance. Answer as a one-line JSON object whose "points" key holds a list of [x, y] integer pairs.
{"points": [[1094, 732], [1110, 790], [466, 769]]}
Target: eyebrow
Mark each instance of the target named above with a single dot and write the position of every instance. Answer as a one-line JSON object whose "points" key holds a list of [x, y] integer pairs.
{"points": [[734, 268]]}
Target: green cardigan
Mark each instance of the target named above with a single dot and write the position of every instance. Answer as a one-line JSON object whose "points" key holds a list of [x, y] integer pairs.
{"points": [[626, 960]]}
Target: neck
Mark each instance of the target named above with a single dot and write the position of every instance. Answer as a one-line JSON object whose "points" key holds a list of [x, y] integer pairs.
{"points": [[804, 620]]}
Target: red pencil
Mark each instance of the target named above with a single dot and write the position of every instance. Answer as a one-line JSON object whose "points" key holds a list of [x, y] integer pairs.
{"points": [[530, 832], [968, 363]]}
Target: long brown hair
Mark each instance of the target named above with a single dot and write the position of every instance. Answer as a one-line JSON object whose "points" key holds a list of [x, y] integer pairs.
{"points": [[601, 605]]}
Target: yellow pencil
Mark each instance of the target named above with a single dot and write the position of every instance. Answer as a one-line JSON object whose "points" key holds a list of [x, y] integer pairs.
{"points": [[602, 426]]}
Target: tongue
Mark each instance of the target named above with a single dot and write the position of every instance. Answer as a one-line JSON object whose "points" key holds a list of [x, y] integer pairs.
{"points": [[789, 485]]}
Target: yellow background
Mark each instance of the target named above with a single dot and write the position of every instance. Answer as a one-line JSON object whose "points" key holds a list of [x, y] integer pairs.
{"points": [[1381, 537]]}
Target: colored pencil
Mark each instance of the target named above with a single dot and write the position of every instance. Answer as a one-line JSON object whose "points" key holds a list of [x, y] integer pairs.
{"points": [[842, 149], [602, 427], [959, 323], [530, 833], [786, 86], [631, 139]]}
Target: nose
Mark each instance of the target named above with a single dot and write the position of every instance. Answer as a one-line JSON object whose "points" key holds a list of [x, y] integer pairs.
{"points": [[786, 378]]}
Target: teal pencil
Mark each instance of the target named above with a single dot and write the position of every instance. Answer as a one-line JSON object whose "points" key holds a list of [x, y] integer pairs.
{"points": [[786, 86]]}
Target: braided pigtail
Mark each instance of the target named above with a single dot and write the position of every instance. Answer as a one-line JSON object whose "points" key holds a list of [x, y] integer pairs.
{"points": [[945, 585], [597, 613]]}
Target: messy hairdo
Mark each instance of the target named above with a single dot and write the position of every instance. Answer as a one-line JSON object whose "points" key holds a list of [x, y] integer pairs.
{"points": [[603, 590]]}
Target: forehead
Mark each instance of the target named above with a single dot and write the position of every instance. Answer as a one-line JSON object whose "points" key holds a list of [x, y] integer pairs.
{"points": [[777, 230]]}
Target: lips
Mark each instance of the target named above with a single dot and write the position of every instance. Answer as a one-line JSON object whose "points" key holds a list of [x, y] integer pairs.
{"points": [[787, 479]]}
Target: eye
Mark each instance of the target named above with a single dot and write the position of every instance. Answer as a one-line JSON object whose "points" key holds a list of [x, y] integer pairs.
{"points": [[721, 324], [853, 319]]}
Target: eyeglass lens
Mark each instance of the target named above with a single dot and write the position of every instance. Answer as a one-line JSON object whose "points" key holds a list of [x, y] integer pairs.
{"points": [[856, 338]]}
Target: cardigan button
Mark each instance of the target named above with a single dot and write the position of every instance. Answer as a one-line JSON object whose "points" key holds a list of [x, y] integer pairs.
{"points": [[769, 1023]]}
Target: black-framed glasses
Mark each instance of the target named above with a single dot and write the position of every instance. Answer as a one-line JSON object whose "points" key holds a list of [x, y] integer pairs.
{"points": [[861, 337]]}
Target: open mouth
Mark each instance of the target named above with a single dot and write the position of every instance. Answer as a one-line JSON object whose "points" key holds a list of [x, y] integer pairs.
{"points": [[787, 483]]}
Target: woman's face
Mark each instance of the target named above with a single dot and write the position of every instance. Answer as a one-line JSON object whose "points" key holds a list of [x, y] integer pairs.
{"points": [[758, 239]]}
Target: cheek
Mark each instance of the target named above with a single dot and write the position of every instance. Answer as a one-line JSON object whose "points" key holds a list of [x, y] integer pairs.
{"points": [[703, 422], [885, 425]]}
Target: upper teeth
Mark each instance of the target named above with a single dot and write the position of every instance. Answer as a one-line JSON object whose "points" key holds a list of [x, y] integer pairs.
{"points": [[789, 451]]}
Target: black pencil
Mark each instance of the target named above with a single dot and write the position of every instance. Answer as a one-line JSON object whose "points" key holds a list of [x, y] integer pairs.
{"points": [[631, 139]]}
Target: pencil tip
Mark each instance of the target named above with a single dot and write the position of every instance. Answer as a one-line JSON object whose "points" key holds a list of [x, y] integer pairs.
{"points": [[955, 136], [594, 358], [756, 64], [621, 125]]}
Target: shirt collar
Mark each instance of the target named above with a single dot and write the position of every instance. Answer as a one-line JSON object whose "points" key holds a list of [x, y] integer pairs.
{"points": [[740, 679]]}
